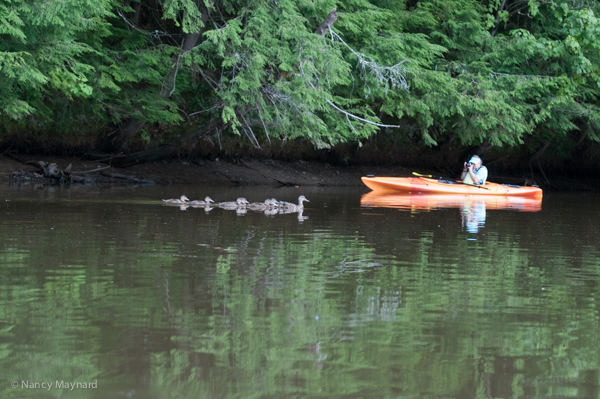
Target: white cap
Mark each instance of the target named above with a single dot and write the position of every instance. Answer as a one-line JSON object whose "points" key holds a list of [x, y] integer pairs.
{"points": [[475, 159]]}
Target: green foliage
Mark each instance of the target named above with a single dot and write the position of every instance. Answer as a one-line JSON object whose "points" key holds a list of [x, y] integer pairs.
{"points": [[185, 13], [495, 71]]}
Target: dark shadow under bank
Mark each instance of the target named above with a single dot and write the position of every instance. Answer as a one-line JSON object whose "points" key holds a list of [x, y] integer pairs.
{"points": [[252, 172], [299, 163]]}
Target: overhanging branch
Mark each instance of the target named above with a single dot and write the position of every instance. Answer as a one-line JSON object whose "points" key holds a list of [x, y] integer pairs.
{"points": [[358, 117]]}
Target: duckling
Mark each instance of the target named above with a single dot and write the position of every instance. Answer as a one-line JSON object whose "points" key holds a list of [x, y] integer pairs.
{"points": [[288, 207], [270, 211], [181, 200], [206, 202], [233, 205], [260, 206]]}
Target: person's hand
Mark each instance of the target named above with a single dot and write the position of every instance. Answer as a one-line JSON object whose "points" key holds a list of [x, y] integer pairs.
{"points": [[470, 167]]}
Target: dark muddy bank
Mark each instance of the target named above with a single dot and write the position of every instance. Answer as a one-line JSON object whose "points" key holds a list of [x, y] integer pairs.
{"points": [[252, 172]]}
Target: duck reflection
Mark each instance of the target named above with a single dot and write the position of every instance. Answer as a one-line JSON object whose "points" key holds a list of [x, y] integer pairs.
{"points": [[270, 207], [299, 212]]}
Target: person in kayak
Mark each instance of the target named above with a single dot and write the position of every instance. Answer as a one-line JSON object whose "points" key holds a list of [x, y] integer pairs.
{"points": [[474, 172]]}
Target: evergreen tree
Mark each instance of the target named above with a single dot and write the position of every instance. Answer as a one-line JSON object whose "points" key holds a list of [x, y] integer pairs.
{"points": [[495, 72]]}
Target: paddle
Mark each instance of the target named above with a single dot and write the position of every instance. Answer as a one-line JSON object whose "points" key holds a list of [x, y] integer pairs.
{"points": [[420, 175], [430, 176]]}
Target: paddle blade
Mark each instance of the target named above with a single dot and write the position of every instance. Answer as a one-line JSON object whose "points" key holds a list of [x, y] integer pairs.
{"points": [[420, 175]]}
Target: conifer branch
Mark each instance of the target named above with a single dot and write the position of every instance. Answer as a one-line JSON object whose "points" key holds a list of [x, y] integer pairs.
{"points": [[394, 76], [216, 106], [351, 125], [499, 74], [156, 33], [358, 117], [175, 75], [262, 121], [249, 132]]}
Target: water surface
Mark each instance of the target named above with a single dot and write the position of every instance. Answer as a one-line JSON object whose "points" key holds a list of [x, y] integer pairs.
{"points": [[360, 299]]}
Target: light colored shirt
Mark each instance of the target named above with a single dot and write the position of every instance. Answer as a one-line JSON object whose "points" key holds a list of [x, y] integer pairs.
{"points": [[481, 174], [475, 217]]}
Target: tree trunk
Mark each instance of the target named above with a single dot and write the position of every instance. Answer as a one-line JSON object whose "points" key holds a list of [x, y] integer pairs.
{"points": [[171, 148], [327, 23], [189, 41], [540, 151], [136, 16], [128, 129], [483, 148]]}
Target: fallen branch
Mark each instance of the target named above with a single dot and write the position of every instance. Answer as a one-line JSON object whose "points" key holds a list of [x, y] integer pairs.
{"points": [[92, 170], [82, 180], [127, 177], [100, 158]]}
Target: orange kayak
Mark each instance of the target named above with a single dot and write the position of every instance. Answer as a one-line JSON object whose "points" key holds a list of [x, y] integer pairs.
{"points": [[426, 202], [422, 185]]}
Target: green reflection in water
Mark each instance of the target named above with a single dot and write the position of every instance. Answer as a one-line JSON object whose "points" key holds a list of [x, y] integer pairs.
{"points": [[154, 302]]}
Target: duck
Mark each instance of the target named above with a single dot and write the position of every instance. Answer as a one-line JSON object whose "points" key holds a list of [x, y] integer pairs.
{"points": [[181, 200], [288, 207], [232, 205], [206, 202]]}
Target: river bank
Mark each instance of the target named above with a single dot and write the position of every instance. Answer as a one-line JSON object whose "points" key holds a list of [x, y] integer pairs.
{"points": [[215, 172], [23, 170]]}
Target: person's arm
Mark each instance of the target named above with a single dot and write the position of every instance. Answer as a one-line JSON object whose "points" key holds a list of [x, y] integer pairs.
{"points": [[473, 175], [464, 171], [469, 170], [480, 176]]}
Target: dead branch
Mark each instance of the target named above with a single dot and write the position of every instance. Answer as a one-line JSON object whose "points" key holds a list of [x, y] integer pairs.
{"points": [[92, 170], [126, 177], [394, 76], [358, 117]]}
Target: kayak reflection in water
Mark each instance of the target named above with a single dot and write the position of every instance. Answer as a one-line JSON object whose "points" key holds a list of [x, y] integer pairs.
{"points": [[473, 216]]}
